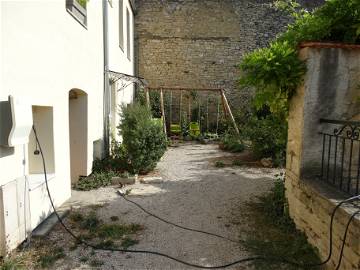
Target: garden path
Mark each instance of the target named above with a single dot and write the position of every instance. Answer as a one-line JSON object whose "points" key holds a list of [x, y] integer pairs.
{"points": [[193, 193]]}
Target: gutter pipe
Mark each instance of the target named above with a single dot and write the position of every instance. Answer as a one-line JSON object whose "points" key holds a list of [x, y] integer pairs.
{"points": [[106, 97]]}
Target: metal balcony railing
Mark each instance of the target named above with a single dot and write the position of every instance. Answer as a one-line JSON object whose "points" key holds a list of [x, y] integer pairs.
{"points": [[340, 159]]}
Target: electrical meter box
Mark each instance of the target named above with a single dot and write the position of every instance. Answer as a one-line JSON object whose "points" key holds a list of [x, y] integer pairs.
{"points": [[15, 121]]}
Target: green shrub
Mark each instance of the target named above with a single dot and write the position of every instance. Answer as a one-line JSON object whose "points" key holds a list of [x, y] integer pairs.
{"points": [[232, 143], [276, 71], [116, 162], [143, 138], [95, 180], [268, 136], [155, 103]]}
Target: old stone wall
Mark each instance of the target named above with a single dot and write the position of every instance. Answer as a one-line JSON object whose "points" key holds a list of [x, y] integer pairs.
{"points": [[200, 43], [310, 207], [330, 90]]}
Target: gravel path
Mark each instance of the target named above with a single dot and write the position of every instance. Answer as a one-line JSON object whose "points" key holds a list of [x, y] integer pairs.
{"points": [[192, 193]]}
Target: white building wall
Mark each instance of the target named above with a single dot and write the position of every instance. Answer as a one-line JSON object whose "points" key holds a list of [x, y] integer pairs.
{"points": [[125, 65], [45, 53]]}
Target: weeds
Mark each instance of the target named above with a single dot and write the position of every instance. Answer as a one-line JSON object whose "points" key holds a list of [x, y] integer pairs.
{"points": [[90, 222], [128, 242], [50, 257], [105, 235], [84, 259], [273, 233], [117, 231], [95, 180], [96, 263], [219, 164], [12, 264], [106, 244], [237, 162]]}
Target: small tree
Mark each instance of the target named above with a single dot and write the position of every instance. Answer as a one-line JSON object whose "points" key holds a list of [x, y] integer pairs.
{"points": [[143, 138]]}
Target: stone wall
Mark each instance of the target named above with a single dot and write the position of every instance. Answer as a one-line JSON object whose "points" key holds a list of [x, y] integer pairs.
{"points": [[330, 90], [200, 43]]}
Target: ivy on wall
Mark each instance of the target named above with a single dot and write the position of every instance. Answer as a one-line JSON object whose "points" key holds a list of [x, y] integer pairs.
{"points": [[276, 71]]}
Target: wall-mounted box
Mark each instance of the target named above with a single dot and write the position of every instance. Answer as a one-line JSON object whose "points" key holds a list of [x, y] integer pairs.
{"points": [[14, 214]]}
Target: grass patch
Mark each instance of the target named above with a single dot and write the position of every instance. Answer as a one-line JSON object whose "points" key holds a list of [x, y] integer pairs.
{"points": [[51, 255], [104, 235], [12, 264], [106, 243], [117, 231], [272, 233], [128, 242], [96, 263]]}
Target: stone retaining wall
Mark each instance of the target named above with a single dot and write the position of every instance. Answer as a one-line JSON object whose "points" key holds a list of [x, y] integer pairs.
{"points": [[330, 90]]}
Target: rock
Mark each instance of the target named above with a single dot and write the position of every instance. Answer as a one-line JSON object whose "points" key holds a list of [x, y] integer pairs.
{"points": [[118, 180], [152, 180], [266, 162]]}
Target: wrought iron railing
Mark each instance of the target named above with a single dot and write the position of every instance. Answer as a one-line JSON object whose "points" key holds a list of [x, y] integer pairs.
{"points": [[340, 159]]}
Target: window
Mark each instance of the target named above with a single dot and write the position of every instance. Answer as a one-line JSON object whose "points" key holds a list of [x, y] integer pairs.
{"points": [[128, 43], [77, 9], [121, 25]]}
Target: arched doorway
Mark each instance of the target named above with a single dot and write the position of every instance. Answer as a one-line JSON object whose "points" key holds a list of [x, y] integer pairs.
{"points": [[78, 133]]}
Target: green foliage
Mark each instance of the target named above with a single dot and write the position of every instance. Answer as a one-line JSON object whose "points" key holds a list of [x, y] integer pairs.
{"points": [[143, 138], [12, 264], [128, 242], [219, 164], [116, 162], [275, 234], [268, 136], [82, 3], [95, 180], [117, 231], [155, 104], [50, 257], [232, 143], [276, 71], [274, 204], [105, 233]]}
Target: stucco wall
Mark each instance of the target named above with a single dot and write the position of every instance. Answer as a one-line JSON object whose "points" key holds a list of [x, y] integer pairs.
{"points": [[330, 90], [45, 53], [199, 43]]}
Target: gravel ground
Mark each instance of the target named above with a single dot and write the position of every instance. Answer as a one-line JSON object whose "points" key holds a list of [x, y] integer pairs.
{"points": [[192, 193]]}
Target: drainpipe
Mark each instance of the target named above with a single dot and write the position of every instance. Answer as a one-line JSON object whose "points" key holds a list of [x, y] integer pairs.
{"points": [[106, 101]]}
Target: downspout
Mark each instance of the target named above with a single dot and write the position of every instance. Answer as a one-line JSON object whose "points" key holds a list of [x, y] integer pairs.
{"points": [[106, 101]]}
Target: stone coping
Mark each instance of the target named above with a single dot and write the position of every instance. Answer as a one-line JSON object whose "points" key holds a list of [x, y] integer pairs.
{"points": [[324, 45]]}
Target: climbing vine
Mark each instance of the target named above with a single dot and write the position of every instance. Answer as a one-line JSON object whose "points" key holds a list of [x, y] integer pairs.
{"points": [[276, 71]]}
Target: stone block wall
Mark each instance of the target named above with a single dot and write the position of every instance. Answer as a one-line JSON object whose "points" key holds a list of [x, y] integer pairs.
{"points": [[330, 90], [200, 43]]}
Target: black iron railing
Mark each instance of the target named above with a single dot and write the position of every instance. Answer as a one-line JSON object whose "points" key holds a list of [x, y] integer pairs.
{"points": [[340, 159]]}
